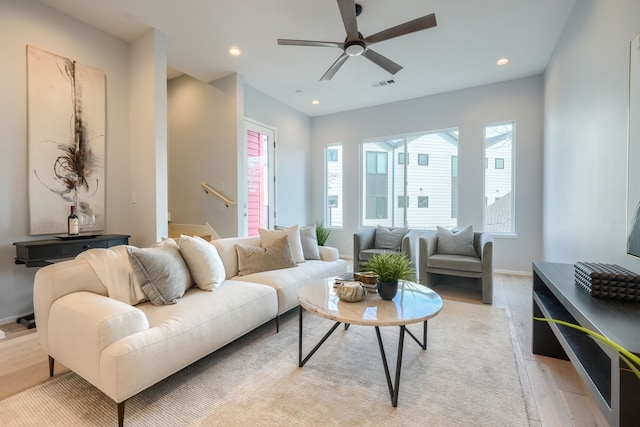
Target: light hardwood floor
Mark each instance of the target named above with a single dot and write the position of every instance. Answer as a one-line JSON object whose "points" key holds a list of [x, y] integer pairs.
{"points": [[553, 391]]}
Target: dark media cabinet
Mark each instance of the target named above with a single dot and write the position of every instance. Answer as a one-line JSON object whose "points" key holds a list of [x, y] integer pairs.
{"points": [[613, 386]]}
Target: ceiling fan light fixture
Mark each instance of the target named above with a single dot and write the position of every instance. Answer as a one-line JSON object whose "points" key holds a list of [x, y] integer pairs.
{"points": [[355, 48]]}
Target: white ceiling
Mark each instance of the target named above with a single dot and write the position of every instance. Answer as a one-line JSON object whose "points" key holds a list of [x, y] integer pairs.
{"points": [[460, 52]]}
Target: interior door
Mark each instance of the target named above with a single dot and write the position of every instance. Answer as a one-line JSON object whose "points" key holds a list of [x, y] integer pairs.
{"points": [[259, 206]]}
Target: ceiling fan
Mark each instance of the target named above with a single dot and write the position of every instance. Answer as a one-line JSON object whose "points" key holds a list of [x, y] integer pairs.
{"points": [[355, 44]]}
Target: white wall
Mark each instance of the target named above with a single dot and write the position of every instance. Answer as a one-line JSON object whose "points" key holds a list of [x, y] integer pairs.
{"points": [[586, 104], [148, 136], [203, 147], [469, 110], [30, 22], [293, 135]]}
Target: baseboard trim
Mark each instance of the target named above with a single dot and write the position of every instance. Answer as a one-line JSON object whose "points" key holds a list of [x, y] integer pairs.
{"points": [[12, 319], [513, 272]]}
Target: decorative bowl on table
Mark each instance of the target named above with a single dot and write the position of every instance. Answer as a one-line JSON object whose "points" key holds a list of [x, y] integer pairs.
{"points": [[350, 291], [366, 277]]}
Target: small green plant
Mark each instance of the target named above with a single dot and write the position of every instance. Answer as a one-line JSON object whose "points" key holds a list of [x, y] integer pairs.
{"points": [[629, 358], [322, 233], [390, 267]]}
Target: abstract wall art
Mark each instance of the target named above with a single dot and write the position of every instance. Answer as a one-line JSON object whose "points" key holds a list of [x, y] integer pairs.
{"points": [[66, 141], [633, 185]]}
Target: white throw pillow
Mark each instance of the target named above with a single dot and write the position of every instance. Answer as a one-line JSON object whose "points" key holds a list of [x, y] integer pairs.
{"points": [[292, 232], [204, 262], [456, 243]]}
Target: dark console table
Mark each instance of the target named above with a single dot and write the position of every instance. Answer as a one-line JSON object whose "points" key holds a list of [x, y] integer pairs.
{"points": [[38, 253], [614, 387]]}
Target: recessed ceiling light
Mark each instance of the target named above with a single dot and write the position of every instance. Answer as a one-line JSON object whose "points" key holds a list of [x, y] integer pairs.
{"points": [[234, 51], [315, 102], [502, 61]]}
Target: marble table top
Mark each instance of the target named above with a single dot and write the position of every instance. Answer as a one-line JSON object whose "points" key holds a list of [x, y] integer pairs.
{"points": [[413, 303]]}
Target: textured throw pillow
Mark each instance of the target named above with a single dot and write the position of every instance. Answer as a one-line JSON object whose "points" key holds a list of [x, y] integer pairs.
{"points": [[276, 255], [204, 262], [269, 236], [389, 238], [309, 241], [161, 272], [456, 243]]}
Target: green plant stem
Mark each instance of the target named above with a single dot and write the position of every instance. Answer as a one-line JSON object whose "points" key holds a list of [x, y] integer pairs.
{"points": [[629, 358]]}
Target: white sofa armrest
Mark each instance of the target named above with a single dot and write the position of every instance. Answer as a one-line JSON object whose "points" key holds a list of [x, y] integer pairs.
{"points": [[327, 253], [83, 324], [55, 281]]}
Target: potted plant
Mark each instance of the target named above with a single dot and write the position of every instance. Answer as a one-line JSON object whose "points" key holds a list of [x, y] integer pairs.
{"points": [[322, 233], [390, 267]]}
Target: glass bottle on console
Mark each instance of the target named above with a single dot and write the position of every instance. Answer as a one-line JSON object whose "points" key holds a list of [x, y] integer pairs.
{"points": [[73, 225]]}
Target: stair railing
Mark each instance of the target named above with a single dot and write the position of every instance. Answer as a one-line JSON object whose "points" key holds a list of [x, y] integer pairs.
{"points": [[210, 190]]}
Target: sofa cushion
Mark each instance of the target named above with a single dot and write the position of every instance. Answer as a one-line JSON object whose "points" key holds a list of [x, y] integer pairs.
{"points": [[161, 272], [455, 262], [456, 243], [271, 256], [292, 232], [389, 238], [367, 254], [309, 241], [203, 261], [287, 282]]}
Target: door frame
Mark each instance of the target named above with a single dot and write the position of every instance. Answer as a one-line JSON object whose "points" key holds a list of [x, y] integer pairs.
{"points": [[271, 132]]}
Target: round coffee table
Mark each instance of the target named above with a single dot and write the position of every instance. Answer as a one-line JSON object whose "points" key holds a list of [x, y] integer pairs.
{"points": [[414, 303]]}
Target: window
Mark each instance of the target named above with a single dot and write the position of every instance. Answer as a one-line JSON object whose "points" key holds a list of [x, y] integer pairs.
{"points": [[498, 182], [389, 185], [333, 186]]}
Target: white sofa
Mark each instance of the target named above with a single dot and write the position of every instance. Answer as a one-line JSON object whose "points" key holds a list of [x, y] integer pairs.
{"points": [[122, 348]]}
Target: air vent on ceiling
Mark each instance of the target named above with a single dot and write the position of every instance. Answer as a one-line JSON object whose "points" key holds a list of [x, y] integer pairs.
{"points": [[383, 83]]}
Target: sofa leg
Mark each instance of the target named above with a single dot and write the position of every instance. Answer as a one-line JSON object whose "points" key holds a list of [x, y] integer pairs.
{"points": [[277, 324], [52, 362], [121, 413]]}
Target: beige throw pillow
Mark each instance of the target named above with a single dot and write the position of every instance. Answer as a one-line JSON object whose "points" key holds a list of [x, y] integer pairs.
{"points": [[204, 262], [275, 255], [293, 232]]}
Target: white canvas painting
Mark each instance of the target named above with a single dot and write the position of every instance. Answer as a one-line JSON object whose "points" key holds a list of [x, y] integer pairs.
{"points": [[66, 125]]}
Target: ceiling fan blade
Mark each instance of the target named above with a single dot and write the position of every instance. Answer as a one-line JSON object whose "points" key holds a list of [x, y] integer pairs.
{"points": [[382, 61], [290, 42], [348, 12], [418, 24], [335, 67]]}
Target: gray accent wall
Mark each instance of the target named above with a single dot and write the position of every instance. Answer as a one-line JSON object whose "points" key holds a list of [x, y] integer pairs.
{"points": [[469, 110], [586, 108]]}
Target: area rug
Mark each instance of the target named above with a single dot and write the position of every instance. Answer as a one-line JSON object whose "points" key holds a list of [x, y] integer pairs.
{"points": [[467, 376]]}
